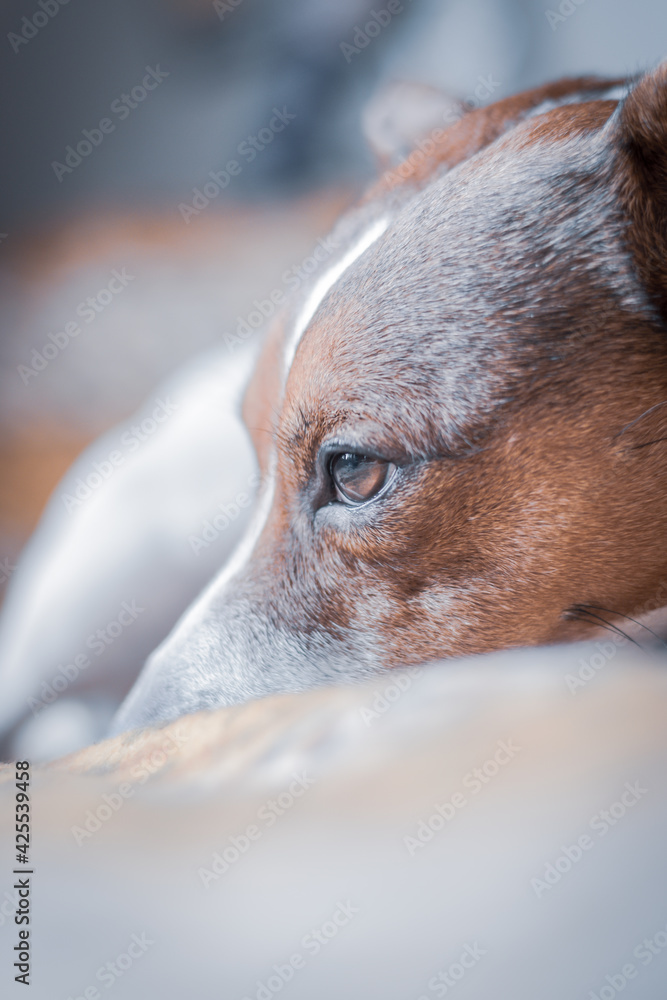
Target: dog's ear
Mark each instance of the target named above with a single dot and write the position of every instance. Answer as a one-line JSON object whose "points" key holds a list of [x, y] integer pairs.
{"points": [[400, 118], [641, 126], [400, 114]]}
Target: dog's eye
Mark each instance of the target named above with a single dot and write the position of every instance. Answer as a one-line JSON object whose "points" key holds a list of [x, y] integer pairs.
{"points": [[358, 478]]}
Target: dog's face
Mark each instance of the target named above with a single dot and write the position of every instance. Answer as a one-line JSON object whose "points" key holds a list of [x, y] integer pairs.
{"points": [[447, 422]]}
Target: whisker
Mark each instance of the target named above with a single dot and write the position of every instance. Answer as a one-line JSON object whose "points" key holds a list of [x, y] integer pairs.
{"points": [[645, 444], [587, 621], [605, 623], [634, 621], [641, 416], [261, 430]]}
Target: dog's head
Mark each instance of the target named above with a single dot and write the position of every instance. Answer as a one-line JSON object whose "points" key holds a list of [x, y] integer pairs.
{"points": [[460, 423]]}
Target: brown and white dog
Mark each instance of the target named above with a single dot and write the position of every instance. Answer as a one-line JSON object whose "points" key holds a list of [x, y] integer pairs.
{"points": [[460, 423]]}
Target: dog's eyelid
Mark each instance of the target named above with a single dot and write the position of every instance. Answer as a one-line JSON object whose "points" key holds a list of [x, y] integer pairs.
{"points": [[334, 446]]}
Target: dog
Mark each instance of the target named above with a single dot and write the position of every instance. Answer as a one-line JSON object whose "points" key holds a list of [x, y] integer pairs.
{"points": [[460, 422]]}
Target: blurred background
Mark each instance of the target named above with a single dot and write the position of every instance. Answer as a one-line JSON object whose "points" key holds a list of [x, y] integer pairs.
{"points": [[114, 114]]}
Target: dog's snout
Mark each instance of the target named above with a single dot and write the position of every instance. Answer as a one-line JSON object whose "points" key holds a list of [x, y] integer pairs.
{"points": [[232, 652], [200, 666]]}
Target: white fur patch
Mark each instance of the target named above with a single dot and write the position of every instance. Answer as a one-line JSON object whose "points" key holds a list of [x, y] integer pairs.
{"points": [[323, 285], [618, 93], [194, 617]]}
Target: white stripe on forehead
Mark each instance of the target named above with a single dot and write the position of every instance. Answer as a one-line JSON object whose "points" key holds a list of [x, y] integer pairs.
{"points": [[195, 616], [322, 286], [242, 554]]}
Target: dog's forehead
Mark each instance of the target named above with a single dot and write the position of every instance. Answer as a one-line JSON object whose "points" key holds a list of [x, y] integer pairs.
{"points": [[470, 279]]}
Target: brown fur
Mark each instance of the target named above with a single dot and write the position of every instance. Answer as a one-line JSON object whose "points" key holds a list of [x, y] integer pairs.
{"points": [[554, 508], [503, 344]]}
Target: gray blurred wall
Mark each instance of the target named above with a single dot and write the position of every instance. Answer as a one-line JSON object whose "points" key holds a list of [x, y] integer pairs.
{"points": [[227, 70]]}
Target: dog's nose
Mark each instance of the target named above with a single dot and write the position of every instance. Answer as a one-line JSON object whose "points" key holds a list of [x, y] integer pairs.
{"points": [[232, 650], [229, 654], [161, 695], [193, 670]]}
